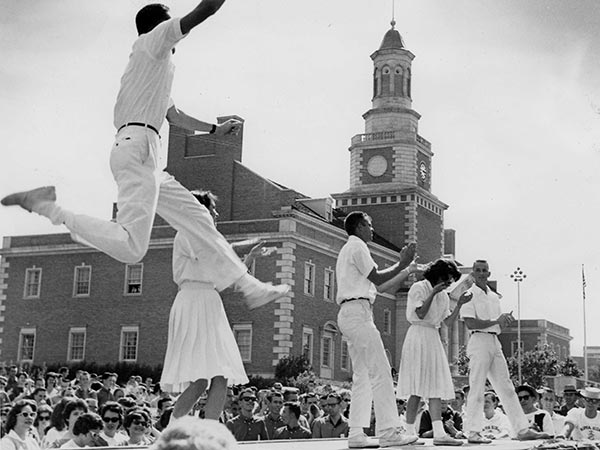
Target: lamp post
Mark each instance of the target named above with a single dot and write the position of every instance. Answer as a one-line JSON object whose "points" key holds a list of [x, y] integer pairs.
{"points": [[518, 276]]}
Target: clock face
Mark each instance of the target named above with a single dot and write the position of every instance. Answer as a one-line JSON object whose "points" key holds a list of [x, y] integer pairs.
{"points": [[423, 171], [377, 166]]}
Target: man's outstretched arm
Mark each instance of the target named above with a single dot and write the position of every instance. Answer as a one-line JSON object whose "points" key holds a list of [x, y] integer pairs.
{"points": [[200, 13], [178, 118]]}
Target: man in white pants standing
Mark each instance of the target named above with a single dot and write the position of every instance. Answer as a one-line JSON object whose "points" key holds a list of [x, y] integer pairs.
{"points": [[485, 320], [358, 282], [142, 104]]}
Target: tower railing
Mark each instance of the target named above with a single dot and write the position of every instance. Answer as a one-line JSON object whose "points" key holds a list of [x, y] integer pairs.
{"points": [[387, 136]]}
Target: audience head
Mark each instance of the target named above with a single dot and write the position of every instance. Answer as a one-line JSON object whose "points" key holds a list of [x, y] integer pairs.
{"points": [[189, 433], [21, 415]]}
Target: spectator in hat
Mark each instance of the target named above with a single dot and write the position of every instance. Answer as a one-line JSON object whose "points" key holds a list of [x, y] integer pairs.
{"points": [[548, 403], [584, 423], [569, 400], [539, 420]]}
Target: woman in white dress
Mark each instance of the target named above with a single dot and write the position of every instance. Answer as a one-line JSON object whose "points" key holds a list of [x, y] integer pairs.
{"points": [[201, 351], [424, 370]]}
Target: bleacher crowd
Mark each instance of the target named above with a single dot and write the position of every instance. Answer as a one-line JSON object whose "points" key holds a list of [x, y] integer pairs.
{"points": [[56, 412]]}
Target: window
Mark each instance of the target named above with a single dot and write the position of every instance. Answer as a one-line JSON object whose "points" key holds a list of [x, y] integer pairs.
{"points": [[133, 279], [345, 356], [26, 344], [328, 285], [309, 278], [81, 282], [33, 282], [307, 343], [243, 337], [326, 350], [515, 348], [387, 321], [129, 344], [76, 351]]}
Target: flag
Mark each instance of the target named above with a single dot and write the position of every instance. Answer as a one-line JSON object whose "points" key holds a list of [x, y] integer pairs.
{"points": [[583, 281]]}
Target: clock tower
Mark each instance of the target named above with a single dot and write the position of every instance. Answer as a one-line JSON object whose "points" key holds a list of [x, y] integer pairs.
{"points": [[390, 163]]}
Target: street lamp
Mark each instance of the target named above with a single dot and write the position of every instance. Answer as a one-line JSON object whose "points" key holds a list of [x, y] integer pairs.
{"points": [[518, 276]]}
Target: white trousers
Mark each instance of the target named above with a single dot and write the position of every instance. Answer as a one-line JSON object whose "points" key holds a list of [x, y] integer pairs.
{"points": [[372, 374], [486, 360], [143, 191]]}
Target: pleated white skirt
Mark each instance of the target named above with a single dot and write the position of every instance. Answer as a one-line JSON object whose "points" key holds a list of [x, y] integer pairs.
{"points": [[201, 343], [424, 369]]}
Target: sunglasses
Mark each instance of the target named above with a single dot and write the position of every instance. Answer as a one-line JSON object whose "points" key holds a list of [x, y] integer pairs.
{"points": [[44, 417], [140, 422], [27, 414], [524, 397], [592, 400], [111, 419], [249, 399]]}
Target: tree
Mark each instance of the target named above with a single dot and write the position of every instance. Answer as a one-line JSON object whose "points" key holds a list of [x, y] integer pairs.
{"points": [[462, 361], [535, 365], [569, 368], [290, 367]]}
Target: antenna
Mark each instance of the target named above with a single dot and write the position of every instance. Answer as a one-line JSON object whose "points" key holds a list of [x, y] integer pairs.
{"points": [[393, 22]]}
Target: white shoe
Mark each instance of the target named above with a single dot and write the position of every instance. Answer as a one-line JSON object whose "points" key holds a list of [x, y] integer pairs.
{"points": [[28, 199], [362, 441], [447, 440], [257, 293], [396, 438]]}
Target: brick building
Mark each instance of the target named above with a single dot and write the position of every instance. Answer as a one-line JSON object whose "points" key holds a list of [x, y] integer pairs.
{"points": [[537, 332], [61, 301]]}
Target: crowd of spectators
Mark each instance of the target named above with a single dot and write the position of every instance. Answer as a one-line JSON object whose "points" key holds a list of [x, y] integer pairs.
{"points": [[58, 412]]}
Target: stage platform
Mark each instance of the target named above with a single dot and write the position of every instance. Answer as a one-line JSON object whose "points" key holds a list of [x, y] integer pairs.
{"points": [[342, 444]]}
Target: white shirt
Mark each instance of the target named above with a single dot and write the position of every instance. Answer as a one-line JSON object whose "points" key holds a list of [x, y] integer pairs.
{"points": [[483, 306], [353, 265], [498, 426], [585, 428], [70, 444], [12, 441], [118, 440], [146, 84], [438, 311], [547, 425]]}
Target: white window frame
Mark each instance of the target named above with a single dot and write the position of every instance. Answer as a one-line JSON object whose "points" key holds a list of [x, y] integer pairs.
{"points": [[308, 335], [129, 329], [28, 273], [128, 268], [309, 278], [73, 331], [237, 329], [76, 281], [345, 355], [329, 285], [22, 333], [387, 321]]}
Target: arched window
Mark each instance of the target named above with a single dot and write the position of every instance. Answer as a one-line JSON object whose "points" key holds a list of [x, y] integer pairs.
{"points": [[385, 81], [408, 83], [398, 82], [376, 83]]}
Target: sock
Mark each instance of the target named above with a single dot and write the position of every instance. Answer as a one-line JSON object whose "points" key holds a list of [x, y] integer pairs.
{"points": [[411, 430], [438, 429], [355, 431], [52, 211]]}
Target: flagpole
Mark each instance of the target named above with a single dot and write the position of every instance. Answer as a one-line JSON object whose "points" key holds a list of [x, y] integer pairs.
{"points": [[585, 359]]}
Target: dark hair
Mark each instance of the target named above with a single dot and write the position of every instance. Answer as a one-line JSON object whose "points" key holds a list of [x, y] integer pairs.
{"points": [[150, 16], [11, 419], [460, 392], [112, 407], [440, 270], [492, 395], [294, 408], [161, 402], [205, 198], [87, 422], [353, 220], [41, 409], [135, 413], [336, 396], [56, 420], [72, 405], [272, 394], [36, 390], [127, 402], [288, 393], [165, 417]]}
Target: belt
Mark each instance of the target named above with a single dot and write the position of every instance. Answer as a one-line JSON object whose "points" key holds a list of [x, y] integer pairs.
{"points": [[484, 332], [138, 124], [352, 299]]}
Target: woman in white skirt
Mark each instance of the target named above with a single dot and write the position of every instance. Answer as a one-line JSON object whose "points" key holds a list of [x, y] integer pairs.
{"points": [[201, 350], [424, 370]]}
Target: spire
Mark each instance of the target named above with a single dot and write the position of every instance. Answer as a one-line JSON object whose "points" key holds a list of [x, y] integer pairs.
{"points": [[392, 39]]}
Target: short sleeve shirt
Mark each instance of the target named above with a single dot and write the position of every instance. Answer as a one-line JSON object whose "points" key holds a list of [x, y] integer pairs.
{"points": [[483, 306], [354, 264], [585, 428], [440, 305], [145, 90]]}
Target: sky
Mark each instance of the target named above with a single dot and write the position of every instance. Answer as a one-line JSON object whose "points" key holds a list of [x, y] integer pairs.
{"points": [[508, 91]]}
